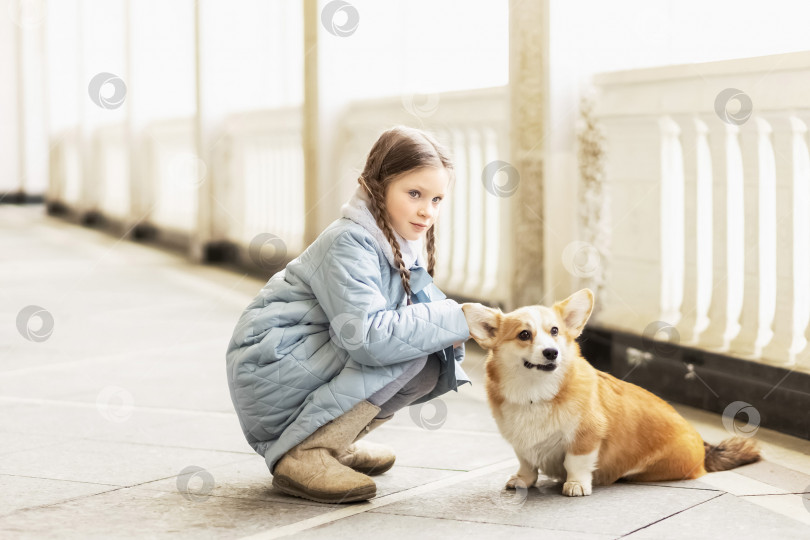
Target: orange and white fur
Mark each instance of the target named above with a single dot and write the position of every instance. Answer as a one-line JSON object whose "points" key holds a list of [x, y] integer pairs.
{"points": [[574, 423]]}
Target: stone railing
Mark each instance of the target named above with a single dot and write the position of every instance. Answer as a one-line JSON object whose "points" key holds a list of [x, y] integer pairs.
{"points": [[709, 174]]}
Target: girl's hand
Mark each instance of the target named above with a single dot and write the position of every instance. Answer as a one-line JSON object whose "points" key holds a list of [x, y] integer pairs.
{"points": [[458, 344]]}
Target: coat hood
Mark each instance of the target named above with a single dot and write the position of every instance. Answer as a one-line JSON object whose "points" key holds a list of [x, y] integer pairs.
{"points": [[357, 210]]}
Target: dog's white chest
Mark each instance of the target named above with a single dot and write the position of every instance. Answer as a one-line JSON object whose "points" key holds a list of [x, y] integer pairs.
{"points": [[539, 433]]}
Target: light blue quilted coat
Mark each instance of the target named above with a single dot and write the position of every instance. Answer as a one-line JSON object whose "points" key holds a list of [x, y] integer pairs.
{"points": [[290, 371]]}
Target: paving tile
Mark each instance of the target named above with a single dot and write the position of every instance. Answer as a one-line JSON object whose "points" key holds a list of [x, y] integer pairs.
{"points": [[400, 478], [452, 411], [680, 484], [139, 513], [723, 481], [616, 509], [18, 492], [793, 505], [18, 442], [213, 432], [726, 516], [738, 484], [368, 525], [442, 448], [66, 420], [102, 462], [761, 478], [776, 475], [190, 376]]}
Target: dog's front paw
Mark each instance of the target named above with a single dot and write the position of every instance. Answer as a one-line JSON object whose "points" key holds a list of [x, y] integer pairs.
{"points": [[576, 489], [516, 482]]}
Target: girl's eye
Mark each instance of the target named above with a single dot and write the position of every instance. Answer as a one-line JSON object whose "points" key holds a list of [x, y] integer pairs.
{"points": [[525, 335], [411, 193], [554, 331], [437, 200]]}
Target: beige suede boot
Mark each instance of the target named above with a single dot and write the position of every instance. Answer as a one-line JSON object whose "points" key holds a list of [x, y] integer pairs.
{"points": [[368, 457], [311, 469]]}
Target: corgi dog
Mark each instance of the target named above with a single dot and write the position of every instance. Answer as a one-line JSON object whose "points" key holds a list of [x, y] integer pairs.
{"points": [[578, 425]]}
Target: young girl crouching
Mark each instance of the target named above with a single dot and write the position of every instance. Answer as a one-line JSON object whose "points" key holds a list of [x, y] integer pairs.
{"points": [[352, 330]]}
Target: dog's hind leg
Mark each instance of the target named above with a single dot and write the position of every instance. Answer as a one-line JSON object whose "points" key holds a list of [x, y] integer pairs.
{"points": [[579, 469], [527, 474]]}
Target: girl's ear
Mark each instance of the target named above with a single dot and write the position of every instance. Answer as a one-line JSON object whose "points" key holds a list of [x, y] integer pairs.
{"points": [[575, 311], [483, 323]]}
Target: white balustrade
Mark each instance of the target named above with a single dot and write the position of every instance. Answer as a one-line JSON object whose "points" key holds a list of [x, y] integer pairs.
{"points": [[710, 204], [257, 168], [174, 174], [111, 166], [264, 175]]}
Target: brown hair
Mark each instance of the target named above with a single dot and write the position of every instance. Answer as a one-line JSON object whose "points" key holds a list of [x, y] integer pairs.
{"points": [[401, 150]]}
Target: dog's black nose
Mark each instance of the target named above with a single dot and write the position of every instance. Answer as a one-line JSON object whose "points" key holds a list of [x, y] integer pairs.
{"points": [[550, 354]]}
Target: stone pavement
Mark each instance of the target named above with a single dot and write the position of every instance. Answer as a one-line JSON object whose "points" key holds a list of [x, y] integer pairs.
{"points": [[119, 425]]}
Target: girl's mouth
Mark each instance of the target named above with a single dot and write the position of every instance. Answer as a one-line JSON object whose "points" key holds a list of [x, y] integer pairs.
{"points": [[419, 227]]}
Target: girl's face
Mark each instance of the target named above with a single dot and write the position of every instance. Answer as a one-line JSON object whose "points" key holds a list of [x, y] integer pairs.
{"points": [[414, 199]]}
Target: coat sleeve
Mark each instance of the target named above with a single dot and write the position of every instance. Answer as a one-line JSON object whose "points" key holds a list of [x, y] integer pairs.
{"points": [[348, 286]]}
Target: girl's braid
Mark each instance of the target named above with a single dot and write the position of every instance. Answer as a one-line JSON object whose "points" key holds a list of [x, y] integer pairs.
{"points": [[380, 214], [431, 249]]}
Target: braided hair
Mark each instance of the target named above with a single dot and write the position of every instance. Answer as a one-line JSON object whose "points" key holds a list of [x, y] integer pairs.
{"points": [[397, 151]]}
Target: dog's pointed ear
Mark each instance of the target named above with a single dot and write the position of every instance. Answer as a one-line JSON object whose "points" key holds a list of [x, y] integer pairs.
{"points": [[483, 323], [575, 311]]}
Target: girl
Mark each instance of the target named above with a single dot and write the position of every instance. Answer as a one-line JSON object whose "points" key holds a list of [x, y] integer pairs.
{"points": [[352, 330]]}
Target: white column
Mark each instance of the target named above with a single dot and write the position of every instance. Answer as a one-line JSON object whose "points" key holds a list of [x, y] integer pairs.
{"points": [[311, 119], [206, 122], [140, 181], [528, 83], [32, 177]]}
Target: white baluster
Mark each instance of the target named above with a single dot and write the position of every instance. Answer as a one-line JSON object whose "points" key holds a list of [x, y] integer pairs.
{"points": [[801, 204], [697, 229], [476, 218], [253, 186], [274, 152], [237, 182], [72, 171], [726, 302], [492, 246], [460, 236], [298, 190], [672, 221], [267, 205], [276, 210], [791, 171], [760, 235]]}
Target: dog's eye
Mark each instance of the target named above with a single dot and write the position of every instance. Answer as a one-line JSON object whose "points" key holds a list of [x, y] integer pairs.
{"points": [[525, 335], [554, 331]]}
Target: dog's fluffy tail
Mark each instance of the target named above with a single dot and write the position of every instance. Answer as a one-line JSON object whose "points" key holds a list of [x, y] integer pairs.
{"points": [[730, 453]]}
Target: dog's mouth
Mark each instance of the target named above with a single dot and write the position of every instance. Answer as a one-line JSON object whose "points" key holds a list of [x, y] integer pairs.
{"points": [[551, 366]]}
